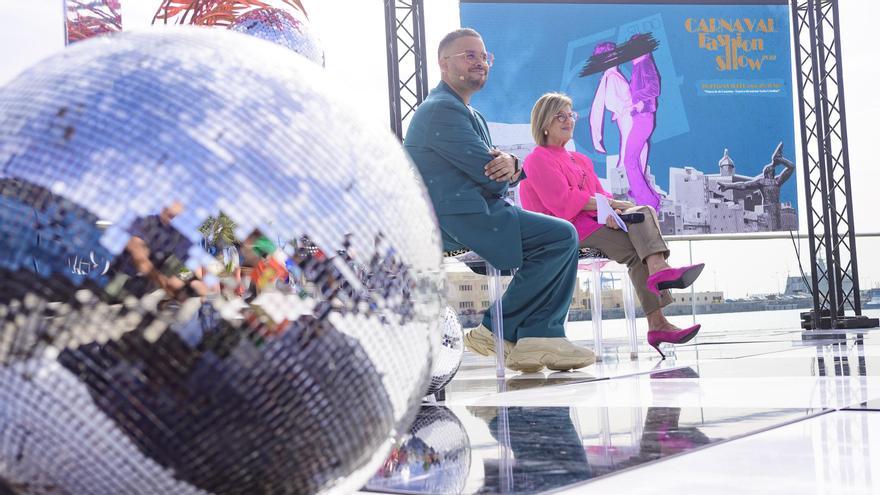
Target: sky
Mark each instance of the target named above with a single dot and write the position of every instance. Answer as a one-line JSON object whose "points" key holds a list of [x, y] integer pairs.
{"points": [[353, 34]]}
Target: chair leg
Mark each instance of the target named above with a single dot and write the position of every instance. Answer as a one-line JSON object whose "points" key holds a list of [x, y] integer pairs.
{"points": [[596, 310], [629, 309], [495, 293], [567, 319]]}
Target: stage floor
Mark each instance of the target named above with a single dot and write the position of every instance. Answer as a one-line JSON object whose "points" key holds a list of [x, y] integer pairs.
{"points": [[751, 411]]}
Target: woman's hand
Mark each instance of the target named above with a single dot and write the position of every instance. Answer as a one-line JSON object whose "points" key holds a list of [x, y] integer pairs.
{"points": [[610, 223], [621, 205]]}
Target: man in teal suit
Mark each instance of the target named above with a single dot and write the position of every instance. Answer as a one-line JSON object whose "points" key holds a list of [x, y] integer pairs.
{"points": [[467, 178]]}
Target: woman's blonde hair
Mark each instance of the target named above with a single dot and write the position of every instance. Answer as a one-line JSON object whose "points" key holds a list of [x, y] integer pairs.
{"points": [[544, 111]]}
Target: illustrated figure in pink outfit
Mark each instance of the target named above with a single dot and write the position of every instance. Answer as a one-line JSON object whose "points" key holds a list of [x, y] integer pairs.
{"points": [[612, 94], [632, 105]]}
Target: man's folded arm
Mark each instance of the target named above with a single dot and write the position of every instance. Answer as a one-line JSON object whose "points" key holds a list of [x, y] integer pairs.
{"points": [[455, 139], [522, 175]]}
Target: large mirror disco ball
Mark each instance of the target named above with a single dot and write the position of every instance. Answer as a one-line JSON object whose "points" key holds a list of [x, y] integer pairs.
{"points": [[447, 355], [288, 29], [434, 457], [206, 281]]}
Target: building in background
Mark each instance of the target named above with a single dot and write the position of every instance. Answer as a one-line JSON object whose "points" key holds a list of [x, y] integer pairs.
{"points": [[697, 205], [468, 295]]}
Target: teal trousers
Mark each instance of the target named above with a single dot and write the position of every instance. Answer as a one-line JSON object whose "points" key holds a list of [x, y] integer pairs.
{"points": [[537, 300]]}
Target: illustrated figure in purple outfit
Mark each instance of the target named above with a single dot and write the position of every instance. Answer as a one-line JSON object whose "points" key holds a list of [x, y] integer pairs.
{"points": [[632, 105], [644, 87]]}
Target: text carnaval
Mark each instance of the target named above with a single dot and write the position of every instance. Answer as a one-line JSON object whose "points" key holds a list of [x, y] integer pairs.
{"points": [[714, 34]]}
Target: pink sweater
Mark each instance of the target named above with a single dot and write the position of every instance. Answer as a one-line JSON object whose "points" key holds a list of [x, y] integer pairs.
{"points": [[559, 183]]}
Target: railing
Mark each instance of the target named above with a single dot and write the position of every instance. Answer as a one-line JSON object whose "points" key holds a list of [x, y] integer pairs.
{"points": [[750, 236]]}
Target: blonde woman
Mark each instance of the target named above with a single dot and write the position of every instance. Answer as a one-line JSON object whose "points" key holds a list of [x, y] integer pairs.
{"points": [[563, 184]]}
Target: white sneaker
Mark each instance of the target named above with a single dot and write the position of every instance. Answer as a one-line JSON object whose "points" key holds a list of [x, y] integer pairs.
{"points": [[531, 354], [482, 341]]}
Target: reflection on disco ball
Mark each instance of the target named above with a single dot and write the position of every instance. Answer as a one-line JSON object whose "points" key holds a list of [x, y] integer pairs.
{"points": [[447, 356], [434, 457], [288, 29], [141, 370]]}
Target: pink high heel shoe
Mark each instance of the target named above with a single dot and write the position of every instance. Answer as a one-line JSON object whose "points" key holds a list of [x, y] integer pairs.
{"points": [[657, 337], [674, 278]]}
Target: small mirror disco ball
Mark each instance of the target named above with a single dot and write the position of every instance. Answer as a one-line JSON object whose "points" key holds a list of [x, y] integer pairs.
{"points": [[447, 356], [288, 29], [207, 284], [435, 457]]}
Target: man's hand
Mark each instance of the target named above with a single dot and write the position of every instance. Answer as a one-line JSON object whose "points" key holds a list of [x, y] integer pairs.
{"points": [[723, 186], [502, 168]]}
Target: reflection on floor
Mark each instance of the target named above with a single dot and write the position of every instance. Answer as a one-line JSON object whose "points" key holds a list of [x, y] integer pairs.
{"points": [[738, 412]]}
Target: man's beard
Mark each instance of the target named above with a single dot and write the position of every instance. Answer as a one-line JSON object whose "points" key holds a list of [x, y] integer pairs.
{"points": [[477, 83]]}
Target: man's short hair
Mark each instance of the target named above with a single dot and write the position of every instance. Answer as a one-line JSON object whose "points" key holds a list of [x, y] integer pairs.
{"points": [[458, 33]]}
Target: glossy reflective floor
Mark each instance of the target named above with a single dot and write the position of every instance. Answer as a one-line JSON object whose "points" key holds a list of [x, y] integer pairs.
{"points": [[737, 411]]}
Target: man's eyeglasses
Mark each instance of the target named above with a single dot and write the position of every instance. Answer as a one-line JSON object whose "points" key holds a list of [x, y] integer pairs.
{"points": [[473, 57], [563, 117]]}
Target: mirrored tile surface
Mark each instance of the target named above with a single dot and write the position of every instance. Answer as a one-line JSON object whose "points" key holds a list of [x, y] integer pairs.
{"points": [[830, 454], [868, 405], [730, 401], [816, 362], [777, 392], [536, 449], [477, 376], [731, 350]]}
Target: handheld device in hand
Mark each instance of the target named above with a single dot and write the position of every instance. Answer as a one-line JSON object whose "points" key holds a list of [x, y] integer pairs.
{"points": [[633, 217]]}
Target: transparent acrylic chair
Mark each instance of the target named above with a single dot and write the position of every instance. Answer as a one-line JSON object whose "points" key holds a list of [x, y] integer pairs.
{"points": [[595, 261], [589, 259], [480, 266]]}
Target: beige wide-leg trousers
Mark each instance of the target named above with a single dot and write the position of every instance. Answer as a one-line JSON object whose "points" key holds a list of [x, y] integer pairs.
{"points": [[631, 249]]}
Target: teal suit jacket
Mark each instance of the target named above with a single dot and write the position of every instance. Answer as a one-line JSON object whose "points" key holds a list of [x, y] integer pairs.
{"points": [[449, 143]]}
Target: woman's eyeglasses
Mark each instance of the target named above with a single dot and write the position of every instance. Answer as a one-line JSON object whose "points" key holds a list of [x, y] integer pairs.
{"points": [[563, 117], [473, 57]]}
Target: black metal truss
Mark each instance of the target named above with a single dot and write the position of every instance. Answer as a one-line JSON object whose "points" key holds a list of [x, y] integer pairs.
{"points": [[405, 47], [835, 281]]}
